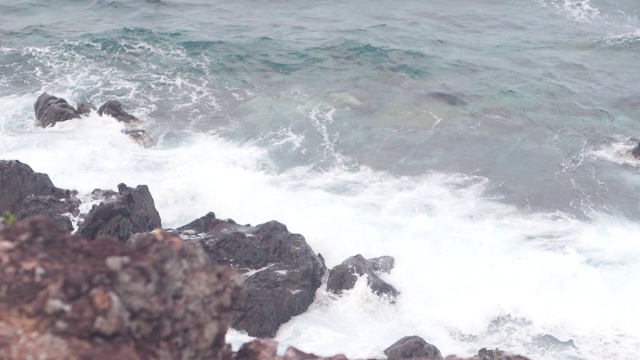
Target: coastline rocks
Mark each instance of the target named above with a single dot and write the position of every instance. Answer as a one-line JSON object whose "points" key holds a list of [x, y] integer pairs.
{"points": [[51, 110], [85, 108], [281, 271], [140, 136], [344, 276], [62, 297], [485, 354], [131, 211], [114, 109], [412, 347], [266, 349], [25, 192]]}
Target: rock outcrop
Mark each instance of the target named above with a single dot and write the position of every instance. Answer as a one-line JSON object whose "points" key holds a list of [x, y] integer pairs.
{"points": [[25, 192], [281, 271], [486, 354], [412, 347], [51, 110], [266, 349], [636, 151], [114, 109], [85, 108], [344, 276], [131, 211], [62, 297]]}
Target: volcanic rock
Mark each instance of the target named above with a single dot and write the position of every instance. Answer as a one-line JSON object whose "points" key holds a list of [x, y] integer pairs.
{"points": [[114, 108], [132, 211], [485, 354], [51, 110], [281, 271], [56, 210], [412, 347], [266, 349], [85, 108], [140, 136], [18, 181], [62, 297], [344, 276]]}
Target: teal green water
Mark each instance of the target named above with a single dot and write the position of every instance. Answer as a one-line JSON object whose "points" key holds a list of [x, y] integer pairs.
{"points": [[518, 91]]}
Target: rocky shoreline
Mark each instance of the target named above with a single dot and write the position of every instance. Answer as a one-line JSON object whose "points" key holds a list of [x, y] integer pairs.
{"points": [[112, 283], [121, 283]]}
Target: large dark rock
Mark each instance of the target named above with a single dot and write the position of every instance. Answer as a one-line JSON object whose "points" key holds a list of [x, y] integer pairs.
{"points": [[62, 297], [18, 181], [56, 210], [414, 348], [344, 276], [132, 211], [51, 110], [281, 271], [114, 108]]}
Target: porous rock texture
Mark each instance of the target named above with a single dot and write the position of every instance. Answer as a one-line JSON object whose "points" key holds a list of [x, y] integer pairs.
{"points": [[344, 276], [51, 110], [62, 297], [131, 211], [281, 271], [266, 349]]}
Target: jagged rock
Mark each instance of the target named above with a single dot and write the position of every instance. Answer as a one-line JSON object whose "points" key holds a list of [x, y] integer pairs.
{"points": [[140, 136], [281, 271], [56, 210], [85, 108], [18, 181], [62, 297], [132, 211], [114, 108], [51, 110], [412, 347], [344, 276]]}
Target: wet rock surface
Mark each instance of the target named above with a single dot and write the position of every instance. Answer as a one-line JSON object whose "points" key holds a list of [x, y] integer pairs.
{"points": [[114, 109], [56, 210], [412, 347], [131, 211], [266, 349], [85, 108], [51, 110], [62, 297], [281, 271], [344, 276]]}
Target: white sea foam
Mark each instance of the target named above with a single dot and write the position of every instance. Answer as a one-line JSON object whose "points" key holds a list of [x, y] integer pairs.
{"points": [[462, 259]]}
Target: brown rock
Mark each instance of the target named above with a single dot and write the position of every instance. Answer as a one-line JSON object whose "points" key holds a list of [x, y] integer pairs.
{"points": [[67, 298]]}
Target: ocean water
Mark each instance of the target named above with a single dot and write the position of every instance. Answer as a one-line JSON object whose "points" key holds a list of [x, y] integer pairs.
{"points": [[482, 144]]}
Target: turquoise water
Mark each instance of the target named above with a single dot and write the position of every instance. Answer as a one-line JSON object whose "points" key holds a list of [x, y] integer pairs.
{"points": [[415, 125]]}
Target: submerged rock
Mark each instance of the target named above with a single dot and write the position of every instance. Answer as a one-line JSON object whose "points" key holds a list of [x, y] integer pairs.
{"points": [[281, 271], [51, 110], [114, 109], [140, 136], [412, 347], [344, 276], [62, 297], [131, 211]]}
